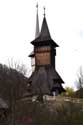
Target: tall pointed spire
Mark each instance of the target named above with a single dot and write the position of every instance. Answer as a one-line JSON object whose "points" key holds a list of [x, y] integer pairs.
{"points": [[37, 23], [43, 37], [45, 34]]}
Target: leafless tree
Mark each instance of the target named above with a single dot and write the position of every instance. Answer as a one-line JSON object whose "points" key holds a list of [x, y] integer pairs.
{"points": [[12, 86], [79, 81], [17, 66]]}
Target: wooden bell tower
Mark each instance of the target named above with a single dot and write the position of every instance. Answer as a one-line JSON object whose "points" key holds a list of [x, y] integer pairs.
{"points": [[44, 79]]}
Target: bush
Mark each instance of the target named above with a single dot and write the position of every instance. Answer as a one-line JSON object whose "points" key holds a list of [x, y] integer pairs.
{"points": [[79, 93]]}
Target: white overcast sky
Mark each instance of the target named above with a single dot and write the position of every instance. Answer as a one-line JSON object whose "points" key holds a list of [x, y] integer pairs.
{"points": [[65, 22]]}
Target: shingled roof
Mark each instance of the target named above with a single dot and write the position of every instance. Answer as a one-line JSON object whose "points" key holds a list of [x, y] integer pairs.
{"points": [[32, 54], [44, 79], [44, 36]]}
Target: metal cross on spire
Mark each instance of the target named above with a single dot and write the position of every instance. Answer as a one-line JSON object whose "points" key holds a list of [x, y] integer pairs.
{"points": [[44, 11], [37, 8], [37, 23]]}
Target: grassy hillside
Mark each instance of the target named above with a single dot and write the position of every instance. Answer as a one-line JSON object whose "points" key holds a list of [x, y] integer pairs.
{"points": [[23, 111], [51, 112]]}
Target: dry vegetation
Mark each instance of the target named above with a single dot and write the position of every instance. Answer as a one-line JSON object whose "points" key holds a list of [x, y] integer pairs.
{"points": [[59, 111], [46, 113]]}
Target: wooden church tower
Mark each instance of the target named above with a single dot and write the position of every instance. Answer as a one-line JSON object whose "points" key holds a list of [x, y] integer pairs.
{"points": [[44, 79]]}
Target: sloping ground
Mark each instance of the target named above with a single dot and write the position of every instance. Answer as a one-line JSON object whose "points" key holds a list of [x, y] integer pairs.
{"points": [[51, 112]]}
